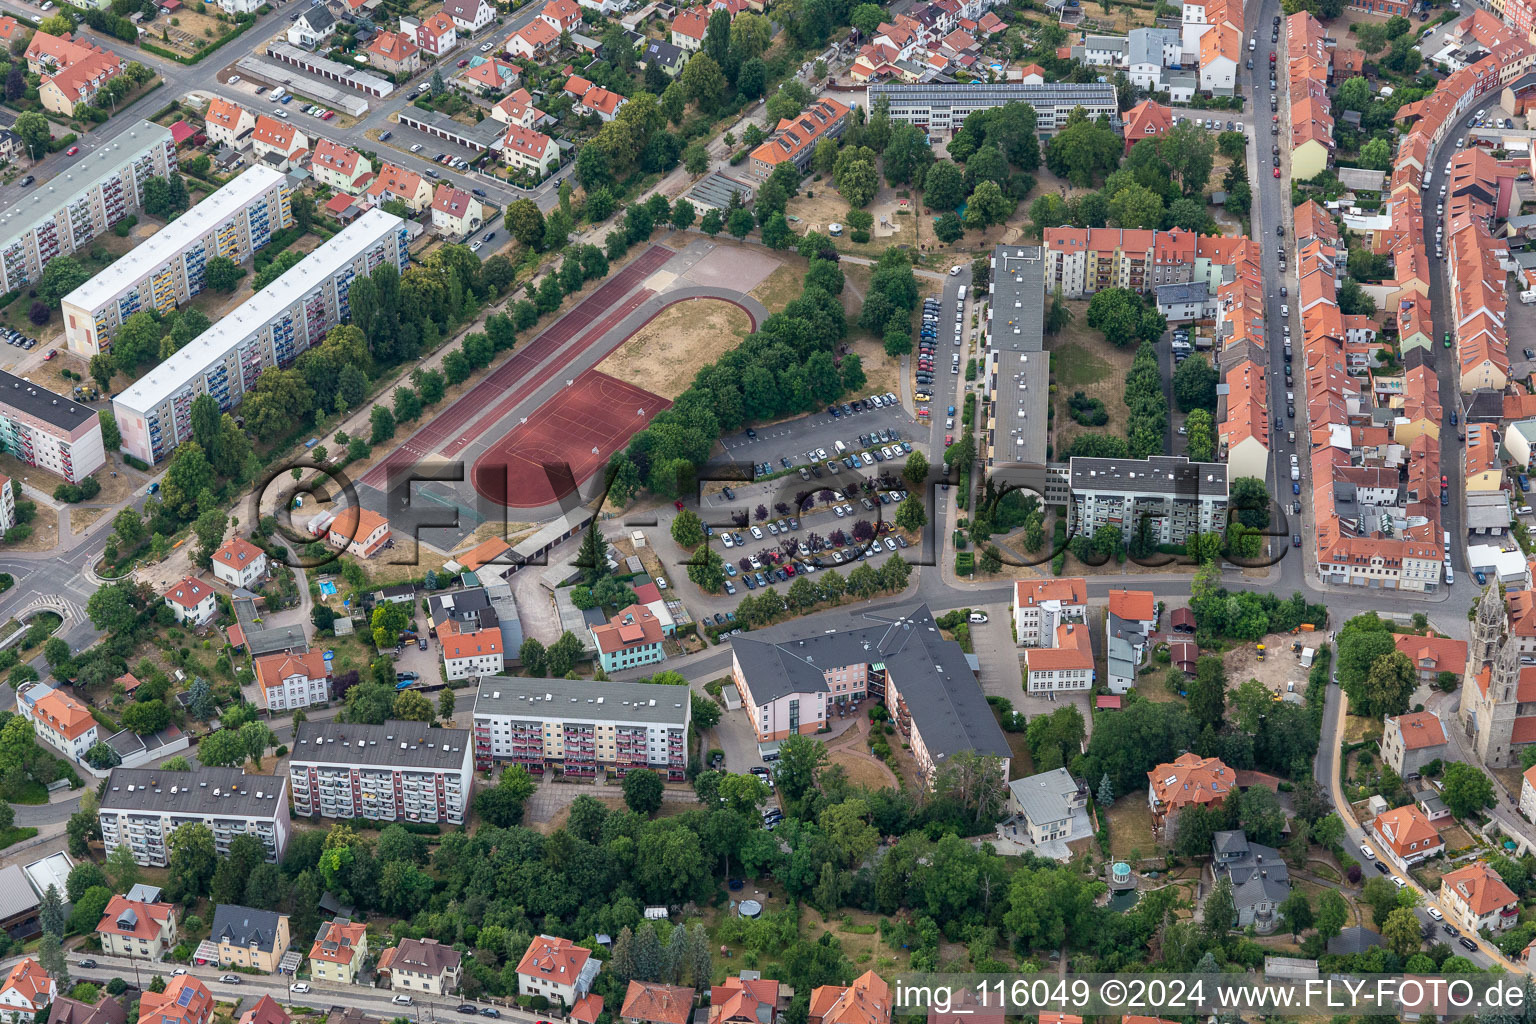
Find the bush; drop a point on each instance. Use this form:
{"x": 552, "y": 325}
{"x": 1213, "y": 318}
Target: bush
{"x": 965, "y": 563}
{"x": 1090, "y": 412}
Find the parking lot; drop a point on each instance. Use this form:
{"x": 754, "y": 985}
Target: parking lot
{"x": 793, "y": 438}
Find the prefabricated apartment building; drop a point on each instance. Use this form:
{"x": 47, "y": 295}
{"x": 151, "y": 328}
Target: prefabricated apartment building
{"x": 167, "y": 269}
{"x": 269, "y": 329}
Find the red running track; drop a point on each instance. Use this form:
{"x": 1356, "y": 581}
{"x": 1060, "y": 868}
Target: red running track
{"x": 573, "y": 435}
{"x": 633, "y": 302}
{"x": 450, "y": 423}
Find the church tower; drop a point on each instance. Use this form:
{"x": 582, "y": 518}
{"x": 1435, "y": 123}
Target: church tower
{"x": 1488, "y": 714}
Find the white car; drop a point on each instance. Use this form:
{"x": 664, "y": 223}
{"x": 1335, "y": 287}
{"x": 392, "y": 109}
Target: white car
{"x": 661, "y": 583}
{"x": 401, "y": 1000}
{"x": 757, "y": 534}
{"x": 1399, "y": 882}
{"x": 1370, "y": 854}
{"x": 890, "y": 545}
{"x": 821, "y": 453}
{"x": 300, "y": 987}
{"x": 416, "y": 148}
{"x": 839, "y": 510}
{"x": 1434, "y": 912}
{"x": 232, "y": 80}
{"x": 727, "y": 540}
{"x": 486, "y": 47}
{"x": 954, "y": 271}
{"x": 475, "y": 245}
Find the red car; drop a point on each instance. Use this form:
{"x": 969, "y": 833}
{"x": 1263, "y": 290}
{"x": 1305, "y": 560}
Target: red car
{"x": 51, "y": 353}
{"x": 949, "y": 439}
{"x": 72, "y": 150}
{"x": 1271, "y": 58}
{"x": 464, "y": 63}
{"x": 1277, "y": 172}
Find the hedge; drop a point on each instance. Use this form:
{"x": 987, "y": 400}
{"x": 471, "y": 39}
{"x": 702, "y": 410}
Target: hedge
{"x": 240, "y": 27}
{"x": 965, "y": 563}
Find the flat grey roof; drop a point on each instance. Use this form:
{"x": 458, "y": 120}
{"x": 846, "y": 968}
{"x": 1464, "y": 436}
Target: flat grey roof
{"x": 584, "y": 700}
{"x": 1085, "y": 94}
{"x": 82, "y": 176}
{"x": 221, "y": 792}
{"x": 396, "y": 743}
{"x": 16, "y": 896}
{"x": 1016, "y": 339}
{"x": 715, "y": 189}
{"x": 254, "y": 313}
{"x": 1189, "y": 291}
{"x": 931, "y": 672}
{"x": 51, "y": 408}
{"x": 1161, "y": 474}
{"x": 487, "y": 133}
{"x": 165, "y": 244}
{"x": 344, "y": 73}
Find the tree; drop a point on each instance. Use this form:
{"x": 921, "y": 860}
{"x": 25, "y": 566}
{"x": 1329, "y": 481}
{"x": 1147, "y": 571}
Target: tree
{"x": 1332, "y": 914}
{"x": 987, "y": 205}
{"x": 193, "y": 861}
{"x": 687, "y": 529}
{"x": 857, "y": 182}
{"x": 943, "y": 186}
{"x": 911, "y": 515}
{"x": 50, "y": 957}
{"x": 1200, "y": 435}
{"x": 702, "y": 80}
{"x": 123, "y": 868}
{"x": 800, "y": 761}
{"x": 642, "y": 791}
{"x": 915, "y": 471}
{"x": 525, "y": 222}
{"x": 1220, "y": 912}
{"x": 1208, "y": 693}
{"x": 1402, "y": 933}
{"x": 62, "y": 275}
{"x": 51, "y": 911}
{"x": 563, "y": 653}
{"x": 222, "y": 274}
{"x": 1297, "y": 911}
{"x": 1116, "y": 312}
{"x": 1194, "y": 384}
{"x": 776, "y": 233}
{"x": 1376, "y": 154}
{"x": 412, "y": 706}
{"x": 1466, "y": 789}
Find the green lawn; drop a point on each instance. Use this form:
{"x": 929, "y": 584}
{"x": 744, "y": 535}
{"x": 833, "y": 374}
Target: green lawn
{"x": 1076, "y": 367}
{"x": 13, "y": 835}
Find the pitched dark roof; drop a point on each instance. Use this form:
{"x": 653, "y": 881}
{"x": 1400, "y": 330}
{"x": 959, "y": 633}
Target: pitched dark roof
{"x": 245, "y": 926}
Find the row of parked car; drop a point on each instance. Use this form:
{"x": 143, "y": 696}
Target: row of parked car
{"x": 15, "y": 337}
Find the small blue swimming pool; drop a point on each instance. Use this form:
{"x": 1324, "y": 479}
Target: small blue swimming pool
{"x": 328, "y": 589}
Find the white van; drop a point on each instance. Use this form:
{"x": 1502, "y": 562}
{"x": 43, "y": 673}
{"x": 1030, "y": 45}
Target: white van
{"x": 962, "y": 293}
{"x": 277, "y": 94}
{"x": 978, "y": 616}
{"x": 841, "y": 447}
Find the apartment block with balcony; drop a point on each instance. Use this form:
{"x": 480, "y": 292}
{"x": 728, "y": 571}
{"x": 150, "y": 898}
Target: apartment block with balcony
{"x": 1174, "y": 497}
{"x": 48, "y": 430}
{"x": 141, "y": 807}
{"x": 270, "y": 329}
{"x": 397, "y": 771}
{"x": 138, "y": 924}
{"x": 98, "y": 190}
{"x": 581, "y": 727}
{"x": 167, "y": 269}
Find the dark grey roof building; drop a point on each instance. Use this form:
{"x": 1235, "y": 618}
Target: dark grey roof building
{"x": 1259, "y": 876}
{"x": 141, "y": 806}
{"x": 1017, "y": 367}
{"x": 793, "y": 677}
{"x": 246, "y": 927}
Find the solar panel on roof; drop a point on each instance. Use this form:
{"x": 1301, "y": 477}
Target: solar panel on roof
{"x": 184, "y": 997}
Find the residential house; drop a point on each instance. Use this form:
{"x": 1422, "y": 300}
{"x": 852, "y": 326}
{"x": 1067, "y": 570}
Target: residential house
{"x": 530, "y": 151}
{"x": 866, "y": 1001}
{"x": 58, "y": 719}
{"x": 1130, "y": 623}
{"x": 668, "y": 56}
{"x": 630, "y": 639}
{"x": 72, "y": 1011}
{"x": 455, "y": 213}
{"x": 278, "y": 143}
{"x": 517, "y": 108}
{"x": 435, "y": 34}
{"x": 488, "y": 77}
{"x": 358, "y": 531}
{"x": 1405, "y": 836}
{"x": 469, "y": 16}
{"x": 239, "y": 563}
{"x": 71, "y": 70}
{"x": 1475, "y": 897}
{"x": 1409, "y": 742}
{"x": 1048, "y": 805}
{"x": 245, "y": 937}
{"x": 186, "y": 1000}
{"x": 1190, "y": 779}
{"x": 1065, "y": 664}
{"x": 408, "y": 187}
{"x": 339, "y": 952}
{"x": 27, "y": 989}
{"x": 1528, "y": 794}
{"x": 290, "y": 681}
{"x": 1259, "y": 877}
{"x": 192, "y": 600}
{"x": 1432, "y": 655}
{"x": 557, "y": 969}
{"x": 593, "y": 99}
{"x": 1039, "y": 606}
{"x": 534, "y": 40}
{"x": 471, "y": 654}
{"x": 313, "y": 27}
{"x": 265, "y": 1011}
{"x": 423, "y": 966}
{"x": 1146, "y": 120}
{"x": 138, "y": 924}
{"x": 739, "y": 1000}
{"x": 688, "y": 29}
{"x": 1221, "y": 49}
{"x": 650, "y": 1002}
{"x": 228, "y": 123}
{"x": 562, "y": 15}
{"x": 394, "y": 52}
